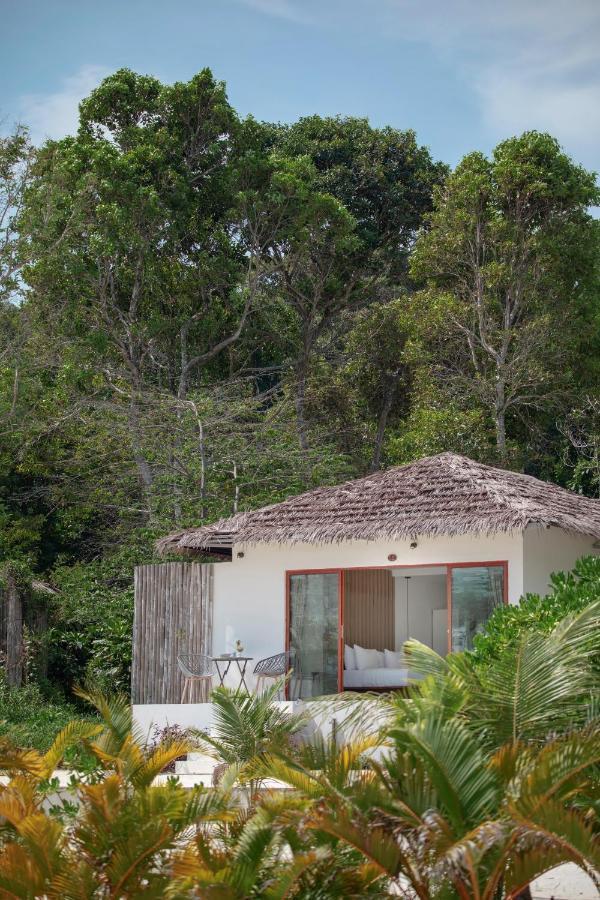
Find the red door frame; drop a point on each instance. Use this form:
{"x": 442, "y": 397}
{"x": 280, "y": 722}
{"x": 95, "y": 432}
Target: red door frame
{"x": 342, "y": 595}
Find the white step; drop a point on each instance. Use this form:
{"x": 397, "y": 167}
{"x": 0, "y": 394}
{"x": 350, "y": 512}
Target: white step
{"x": 198, "y": 763}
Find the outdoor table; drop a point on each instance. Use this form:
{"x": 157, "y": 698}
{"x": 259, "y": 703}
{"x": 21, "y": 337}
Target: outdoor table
{"x": 240, "y": 661}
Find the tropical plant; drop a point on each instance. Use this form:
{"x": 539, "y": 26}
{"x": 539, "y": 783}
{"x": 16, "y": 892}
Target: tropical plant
{"x": 428, "y": 805}
{"x": 542, "y": 684}
{"x": 441, "y": 817}
{"x": 245, "y": 728}
{"x": 114, "y": 832}
{"x": 570, "y": 593}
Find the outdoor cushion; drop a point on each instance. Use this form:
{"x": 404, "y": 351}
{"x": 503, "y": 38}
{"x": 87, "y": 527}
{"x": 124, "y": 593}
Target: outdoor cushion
{"x": 349, "y": 657}
{"x": 368, "y": 659}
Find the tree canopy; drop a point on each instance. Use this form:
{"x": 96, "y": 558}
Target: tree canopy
{"x": 202, "y": 313}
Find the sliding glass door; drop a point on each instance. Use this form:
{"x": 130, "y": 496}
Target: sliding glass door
{"x": 475, "y": 592}
{"x": 314, "y": 633}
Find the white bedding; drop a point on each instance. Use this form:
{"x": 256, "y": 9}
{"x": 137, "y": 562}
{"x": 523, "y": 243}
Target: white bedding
{"x": 379, "y": 678}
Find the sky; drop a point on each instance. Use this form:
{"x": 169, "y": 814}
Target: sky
{"x": 464, "y": 74}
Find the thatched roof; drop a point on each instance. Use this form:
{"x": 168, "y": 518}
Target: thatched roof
{"x": 446, "y": 494}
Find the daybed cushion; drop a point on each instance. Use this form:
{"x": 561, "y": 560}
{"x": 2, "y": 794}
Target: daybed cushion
{"x": 349, "y": 657}
{"x": 376, "y": 678}
{"x": 394, "y": 659}
{"x": 367, "y": 658}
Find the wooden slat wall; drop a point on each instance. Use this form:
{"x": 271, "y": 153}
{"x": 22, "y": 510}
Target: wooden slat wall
{"x": 369, "y": 608}
{"x": 173, "y": 614}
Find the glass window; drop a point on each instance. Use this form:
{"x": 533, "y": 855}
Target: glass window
{"x": 476, "y": 592}
{"x": 314, "y": 628}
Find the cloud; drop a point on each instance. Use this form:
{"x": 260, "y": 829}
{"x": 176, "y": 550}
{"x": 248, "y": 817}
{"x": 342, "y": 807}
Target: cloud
{"x": 531, "y": 65}
{"x": 528, "y": 63}
{"x": 55, "y": 114}
{"x": 280, "y": 9}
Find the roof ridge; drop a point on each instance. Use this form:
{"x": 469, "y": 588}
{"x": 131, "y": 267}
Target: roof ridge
{"x": 496, "y": 492}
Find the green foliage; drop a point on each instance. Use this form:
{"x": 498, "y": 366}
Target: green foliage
{"x": 441, "y": 812}
{"x": 511, "y": 255}
{"x": 247, "y": 726}
{"x": 437, "y": 428}
{"x": 201, "y": 314}
{"x": 28, "y": 718}
{"x": 89, "y": 639}
{"x": 571, "y": 593}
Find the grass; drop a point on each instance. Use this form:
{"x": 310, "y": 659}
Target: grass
{"x": 29, "y": 719}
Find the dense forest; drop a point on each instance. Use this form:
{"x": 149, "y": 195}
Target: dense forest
{"x": 202, "y": 313}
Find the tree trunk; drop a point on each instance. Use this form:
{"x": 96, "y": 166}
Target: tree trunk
{"x": 14, "y": 632}
{"x": 500, "y": 419}
{"x": 146, "y": 476}
{"x": 388, "y": 400}
{"x": 301, "y": 423}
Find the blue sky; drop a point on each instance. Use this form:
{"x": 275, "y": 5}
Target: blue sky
{"x": 463, "y": 73}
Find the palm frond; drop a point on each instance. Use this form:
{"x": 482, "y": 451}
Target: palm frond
{"x": 466, "y": 790}
{"x": 540, "y": 688}
{"x": 247, "y": 725}
{"x": 564, "y": 831}
{"x": 71, "y": 734}
{"x": 557, "y": 771}
{"x": 285, "y": 881}
{"x": 13, "y": 760}
{"x": 159, "y": 759}
{"x": 117, "y": 718}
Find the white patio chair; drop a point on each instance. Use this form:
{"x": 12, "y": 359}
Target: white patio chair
{"x": 195, "y": 667}
{"x": 271, "y": 668}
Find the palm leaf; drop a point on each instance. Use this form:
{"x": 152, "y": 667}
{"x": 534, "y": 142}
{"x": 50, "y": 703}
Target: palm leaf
{"x": 15, "y": 760}
{"x": 466, "y": 790}
{"x": 557, "y": 771}
{"x": 564, "y": 832}
{"x": 288, "y": 877}
{"x": 159, "y": 759}
{"x": 71, "y": 734}
{"x": 380, "y": 849}
{"x": 117, "y": 718}
{"x": 542, "y": 686}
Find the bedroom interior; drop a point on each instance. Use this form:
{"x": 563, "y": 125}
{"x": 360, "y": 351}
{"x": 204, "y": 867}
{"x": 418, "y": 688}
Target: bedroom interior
{"x": 346, "y": 626}
{"x": 383, "y": 608}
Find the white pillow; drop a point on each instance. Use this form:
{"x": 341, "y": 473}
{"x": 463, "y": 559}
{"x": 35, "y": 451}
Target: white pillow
{"x": 349, "y": 657}
{"x": 368, "y": 659}
{"x": 394, "y": 659}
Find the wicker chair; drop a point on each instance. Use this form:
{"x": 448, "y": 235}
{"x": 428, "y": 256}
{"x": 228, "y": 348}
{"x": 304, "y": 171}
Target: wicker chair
{"x": 273, "y": 668}
{"x": 195, "y": 667}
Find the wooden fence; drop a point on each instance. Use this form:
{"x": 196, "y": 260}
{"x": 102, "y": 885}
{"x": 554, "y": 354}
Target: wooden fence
{"x": 23, "y": 606}
{"x": 173, "y": 614}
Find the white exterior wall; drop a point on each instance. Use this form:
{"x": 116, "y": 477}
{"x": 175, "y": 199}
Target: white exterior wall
{"x": 249, "y": 592}
{"x": 149, "y": 716}
{"x": 547, "y": 550}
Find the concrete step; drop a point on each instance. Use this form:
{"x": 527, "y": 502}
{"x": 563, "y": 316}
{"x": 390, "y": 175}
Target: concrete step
{"x": 196, "y": 763}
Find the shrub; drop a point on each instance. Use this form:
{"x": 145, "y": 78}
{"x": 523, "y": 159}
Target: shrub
{"x": 29, "y": 719}
{"x": 89, "y": 640}
{"x": 570, "y": 593}
{"x": 168, "y": 735}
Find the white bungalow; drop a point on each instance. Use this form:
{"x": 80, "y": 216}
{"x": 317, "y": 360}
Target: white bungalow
{"x": 340, "y": 575}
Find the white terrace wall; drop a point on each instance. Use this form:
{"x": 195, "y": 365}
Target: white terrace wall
{"x": 547, "y": 550}
{"x": 249, "y": 592}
